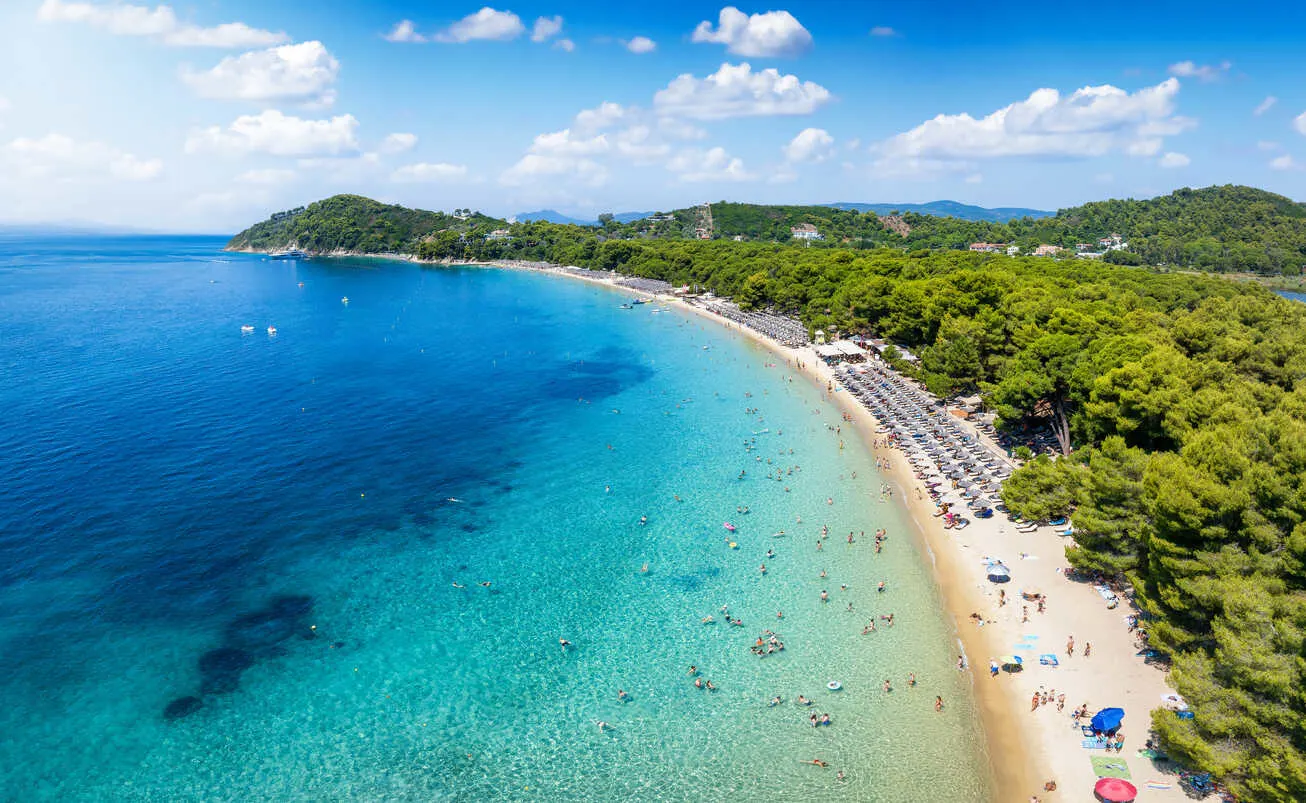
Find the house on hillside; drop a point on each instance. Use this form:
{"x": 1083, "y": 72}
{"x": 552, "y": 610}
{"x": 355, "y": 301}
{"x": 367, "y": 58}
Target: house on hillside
{"x": 1112, "y": 243}
{"x": 1047, "y": 250}
{"x": 703, "y": 234}
{"x": 988, "y": 248}
{"x": 499, "y": 235}
{"x": 805, "y": 231}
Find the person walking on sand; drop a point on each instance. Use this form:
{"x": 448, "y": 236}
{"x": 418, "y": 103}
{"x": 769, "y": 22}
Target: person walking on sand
{"x": 938, "y": 704}
{"x": 1088, "y": 648}
{"x": 1070, "y": 646}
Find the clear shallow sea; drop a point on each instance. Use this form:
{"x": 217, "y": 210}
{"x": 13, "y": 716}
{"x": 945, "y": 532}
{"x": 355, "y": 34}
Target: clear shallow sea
{"x": 172, "y": 487}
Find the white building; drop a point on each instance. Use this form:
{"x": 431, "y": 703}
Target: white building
{"x": 805, "y": 231}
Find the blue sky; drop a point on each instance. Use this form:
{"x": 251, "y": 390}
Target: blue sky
{"x": 205, "y": 116}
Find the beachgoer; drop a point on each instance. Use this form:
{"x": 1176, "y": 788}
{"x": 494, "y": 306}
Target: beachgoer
{"x": 776, "y": 701}
{"x": 803, "y": 700}
{"x": 693, "y": 670}
{"x": 1070, "y": 646}
{"x": 993, "y": 669}
{"x": 818, "y": 762}
{"x": 839, "y": 776}
{"x": 880, "y": 588}
{"x": 456, "y": 584}
{"x": 812, "y": 719}
{"x": 887, "y": 687}
{"x": 825, "y": 596}
{"x": 562, "y": 642}
{"x": 1033, "y": 702}
{"x": 698, "y": 683}
{"x": 622, "y": 696}
{"x": 938, "y": 704}
{"x": 603, "y": 726}
{"x": 710, "y": 687}
{"x": 1088, "y": 648}
{"x": 911, "y": 680}
{"x": 825, "y": 719}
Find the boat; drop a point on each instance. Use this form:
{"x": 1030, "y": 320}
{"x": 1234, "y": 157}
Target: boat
{"x": 344, "y": 299}
{"x": 272, "y": 330}
{"x": 625, "y": 306}
{"x": 246, "y": 329}
{"x": 289, "y": 253}
{"x": 640, "y": 301}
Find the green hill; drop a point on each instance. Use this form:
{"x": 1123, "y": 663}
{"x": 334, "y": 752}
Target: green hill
{"x": 351, "y": 223}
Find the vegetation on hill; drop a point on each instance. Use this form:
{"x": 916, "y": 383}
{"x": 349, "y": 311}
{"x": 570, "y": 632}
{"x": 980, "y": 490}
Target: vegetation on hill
{"x": 350, "y": 223}
{"x": 1183, "y": 395}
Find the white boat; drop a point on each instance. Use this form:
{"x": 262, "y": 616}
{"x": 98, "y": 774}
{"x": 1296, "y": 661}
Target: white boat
{"x": 272, "y": 330}
{"x": 344, "y": 300}
{"x": 289, "y": 253}
{"x": 246, "y": 329}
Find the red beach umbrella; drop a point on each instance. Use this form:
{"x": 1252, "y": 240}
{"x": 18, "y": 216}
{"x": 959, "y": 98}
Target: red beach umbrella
{"x": 1115, "y": 790}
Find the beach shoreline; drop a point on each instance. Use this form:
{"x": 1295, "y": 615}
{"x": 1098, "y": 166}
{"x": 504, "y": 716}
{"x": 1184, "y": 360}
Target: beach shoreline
{"x": 1025, "y": 746}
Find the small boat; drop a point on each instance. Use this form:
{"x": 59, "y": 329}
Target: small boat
{"x": 246, "y": 329}
{"x": 344, "y": 300}
{"x": 625, "y": 306}
{"x": 272, "y": 330}
{"x": 729, "y": 526}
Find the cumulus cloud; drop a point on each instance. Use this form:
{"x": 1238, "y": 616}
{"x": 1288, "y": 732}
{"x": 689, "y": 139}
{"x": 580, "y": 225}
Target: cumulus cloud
{"x": 1202, "y": 72}
{"x": 59, "y": 157}
{"x": 1299, "y": 123}
{"x": 486, "y": 24}
{"x": 534, "y": 166}
{"x": 428, "y": 173}
{"x": 811, "y": 145}
{"x": 695, "y": 166}
{"x": 266, "y": 176}
{"x": 1089, "y": 122}
{"x": 565, "y": 45}
{"x": 302, "y": 73}
{"x": 398, "y": 143}
{"x": 737, "y": 91}
{"x": 639, "y": 144}
{"x": 775, "y": 33}
{"x": 546, "y": 28}
{"x": 641, "y": 44}
{"x": 883, "y": 30}
{"x": 278, "y": 134}
{"x": 1264, "y": 106}
{"x": 404, "y": 31}
{"x": 679, "y": 129}
{"x": 1284, "y": 162}
{"x": 1173, "y": 159}
{"x": 159, "y": 23}
{"x": 565, "y": 143}
{"x": 605, "y": 115}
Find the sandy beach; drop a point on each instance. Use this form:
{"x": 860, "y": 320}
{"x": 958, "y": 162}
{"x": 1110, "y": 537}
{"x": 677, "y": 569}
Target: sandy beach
{"x": 1027, "y": 746}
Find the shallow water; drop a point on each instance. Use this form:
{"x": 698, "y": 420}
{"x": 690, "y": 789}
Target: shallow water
{"x": 170, "y": 481}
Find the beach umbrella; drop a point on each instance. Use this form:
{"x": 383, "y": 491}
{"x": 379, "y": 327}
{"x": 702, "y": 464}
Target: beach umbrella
{"x": 1012, "y": 663}
{"x": 1115, "y": 790}
{"x": 1001, "y": 574}
{"x": 1107, "y": 720}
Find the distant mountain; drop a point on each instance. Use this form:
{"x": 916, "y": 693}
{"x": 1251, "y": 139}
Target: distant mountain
{"x": 74, "y": 229}
{"x": 554, "y": 216}
{"x": 950, "y": 209}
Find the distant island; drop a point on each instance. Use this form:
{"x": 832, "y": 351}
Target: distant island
{"x": 949, "y": 209}
{"x": 1224, "y": 229}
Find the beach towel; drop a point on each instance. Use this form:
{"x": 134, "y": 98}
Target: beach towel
{"x": 1158, "y": 785}
{"x": 1107, "y": 593}
{"x": 1110, "y": 767}
{"x": 1094, "y": 744}
{"x": 1048, "y": 660}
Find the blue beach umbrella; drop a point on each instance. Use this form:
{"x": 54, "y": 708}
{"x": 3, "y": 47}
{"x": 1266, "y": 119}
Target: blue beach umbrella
{"x": 1107, "y": 720}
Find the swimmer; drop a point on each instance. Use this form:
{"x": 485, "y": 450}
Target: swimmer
{"x": 762, "y": 568}
{"x": 938, "y": 703}
{"x": 710, "y": 687}
{"x": 643, "y": 519}
{"x": 823, "y": 573}
{"x": 887, "y": 686}
{"x": 485, "y": 584}
{"x": 693, "y": 670}
{"x": 776, "y": 701}
{"x": 839, "y": 776}
{"x": 817, "y": 762}
{"x": 779, "y": 614}
{"x": 457, "y": 584}
{"x": 825, "y": 719}
{"x": 562, "y": 642}
{"x": 803, "y": 700}
{"x": 911, "y": 679}
{"x": 707, "y": 620}
{"x": 622, "y": 696}
{"x": 812, "y": 720}
{"x": 698, "y": 683}
{"x": 825, "y": 596}
{"x": 603, "y": 726}
{"x": 880, "y": 587}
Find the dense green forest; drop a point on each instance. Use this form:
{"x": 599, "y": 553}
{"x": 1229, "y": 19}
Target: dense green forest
{"x": 1225, "y": 229}
{"x": 1182, "y": 395}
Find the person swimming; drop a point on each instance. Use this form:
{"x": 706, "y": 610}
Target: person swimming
{"x": 562, "y": 642}
{"x": 803, "y": 700}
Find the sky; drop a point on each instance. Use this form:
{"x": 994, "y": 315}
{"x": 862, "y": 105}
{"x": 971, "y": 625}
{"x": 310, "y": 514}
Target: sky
{"x": 207, "y": 116}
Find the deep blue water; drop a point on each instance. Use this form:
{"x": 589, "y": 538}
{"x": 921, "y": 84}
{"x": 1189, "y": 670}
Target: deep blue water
{"x": 274, "y": 526}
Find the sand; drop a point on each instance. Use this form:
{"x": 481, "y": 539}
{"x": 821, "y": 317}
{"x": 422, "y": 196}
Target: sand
{"x": 1026, "y": 747}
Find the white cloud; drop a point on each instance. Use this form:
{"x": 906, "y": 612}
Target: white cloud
{"x": 546, "y": 28}
{"x": 1299, "y": 123}
{"x": 398, "y": 143}
{"x": 1104, "y": 178}
{"x": 975, "y": 178}
{"x": 811, "y": 145}
{"x": 1284, "y": 162}
{"x": 1267, "y": 145}
{"x": 1089, "y": 122}
{"x": 695, "y": 166}
{"x": 563, "y": 143}
{"x": 737, "y": 91}
{"x": 159, "y": 22}
{"x": 883, "y": 30}
{"x": 1202, "y": 72}
{"x": 605, "y": 115}
{"x": 775, "y": 33}
{"x": 641, "y": 44}
{"x": 1264, "y": 106}
{"x": 302, "y": 73}
{"x": 679, "y": 129}
{"x": 534, "y": 166}
{"x": 1173, "y": 159}
{"x": 266, "y": 176}
{"x": 638, "y": 144}
{"x": 565, "y": 45}
{"x": 404, "y": 31}
{"x": 486, "y": 24}
{"x": 280, "y": 135}
{"x": 427, "y": 172}
{"x": 59, "y": 157}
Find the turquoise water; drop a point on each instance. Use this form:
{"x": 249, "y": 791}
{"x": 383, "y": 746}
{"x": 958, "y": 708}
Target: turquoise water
{"x": 264, "y": 523}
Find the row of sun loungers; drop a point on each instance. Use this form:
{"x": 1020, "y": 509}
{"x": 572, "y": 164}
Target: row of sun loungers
{"x": 937, "y": 447}
{"x": 781, "y": 328}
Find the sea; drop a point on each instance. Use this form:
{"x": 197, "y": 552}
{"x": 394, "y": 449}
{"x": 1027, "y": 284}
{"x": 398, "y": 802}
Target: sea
{"x": 340, "y": 561}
